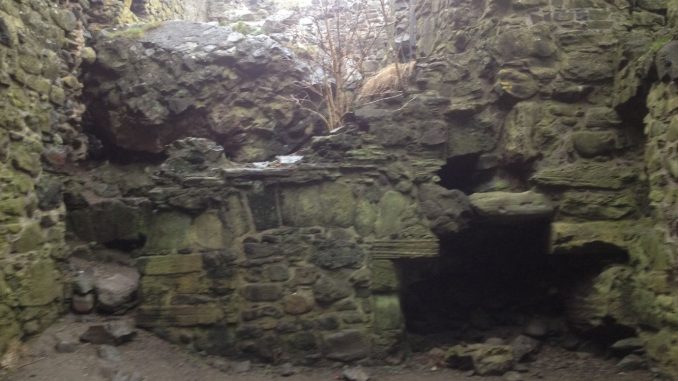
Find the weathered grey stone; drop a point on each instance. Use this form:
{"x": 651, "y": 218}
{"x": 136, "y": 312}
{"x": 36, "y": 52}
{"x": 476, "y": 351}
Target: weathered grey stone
{"x": 255, "y": 126}
{"x": 587, "y": 175}
{"x": 327, "y": 290}
{"x": 297, "y": 304}
{"x": 626, "y": 346}
{"x": 632, "y": 362}
{"x": 524, "y": 346}
{"x": 667, "y": 61}
{"x": 594, "y": 143}
{"x": 109, "y": 353}
{"x": 83, "y": 304}
{"x": 484, "y": 359}
{"x": 507, "y": 206}
{"x": 170, "y": 264}
{"x": 585, "y": 67}
{"x": 598, "y": 205}
{"x": 108, "y": 221}
{"x": 520, "y": 126}
{"x": 346, "y": 345}
{"x": 591, "y": 237}
{"x": 335, "y": 255}
{"x": 83, "y": 282}
{"x": 447, "y": 210}
{"x": 179, "y": 315}
{"x": 517, "y": 84}
{"x": 113, "y": 333}
{"x": 387, "y": 313}
{"x": 49, "y": 193}
{"x": 263, "y": 292}
{"x": 65, "y": 343}
{"x": 116, "y": 291}
{"x": 355, "y": 374}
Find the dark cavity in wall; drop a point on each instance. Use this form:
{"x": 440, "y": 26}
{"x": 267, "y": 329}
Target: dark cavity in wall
{"x": 138, "y": 7}
{"x": 492, "y": 281}
{"x": 460, "y": 172}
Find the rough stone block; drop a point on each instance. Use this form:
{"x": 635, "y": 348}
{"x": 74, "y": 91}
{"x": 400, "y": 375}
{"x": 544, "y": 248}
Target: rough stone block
{"x": 598, "y": 237}
{"x": 393, "y": 209}
{"x": 485, "y": 359}
{"x": 594, "y": 143}
{"x": 597, "y": 205}
{"x": 170, "y": 264}
{"x": 387, "y": 313}
{"x": 609, "y": 175}
{"x": 179, "y": 315}
{"x": 167, "y": 232}
{"x": 327, "y": 290}
{"x": 39, "y": 284}
{"x": 262, "y": 292}
{"x": 108, "y": 221}
{"x": 264, "y": 207}
{"x": 335, "y": 255}
{"x": 347, "y": 345}
{"x": 384, "y": 276}
{"x": 329, "y": 204}
{"x": 207, "y": 231}
{"x": 508, "y": 206}
{"x": 517, "y": 84}
{"x": 298, "y": 303}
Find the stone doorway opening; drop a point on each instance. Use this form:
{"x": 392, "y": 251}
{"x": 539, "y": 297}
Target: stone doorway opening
{"x": 501, "y": 280}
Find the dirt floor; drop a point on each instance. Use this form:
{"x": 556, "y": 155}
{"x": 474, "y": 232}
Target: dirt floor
{"x": 151, "y": 359}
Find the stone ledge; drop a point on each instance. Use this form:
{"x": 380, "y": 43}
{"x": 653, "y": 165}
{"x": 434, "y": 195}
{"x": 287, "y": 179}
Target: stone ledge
{"x": 400, "y": 249}
{"x": 507, "y": 206}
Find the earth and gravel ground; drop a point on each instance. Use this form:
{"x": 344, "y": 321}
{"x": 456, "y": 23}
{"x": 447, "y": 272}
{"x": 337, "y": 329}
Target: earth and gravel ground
{"x": 152, "y": 359}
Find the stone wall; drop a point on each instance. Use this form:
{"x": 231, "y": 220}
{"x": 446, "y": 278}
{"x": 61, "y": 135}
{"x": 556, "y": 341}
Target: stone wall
{"x": 203, "y": 81}
{"x": 554, "y": 95}
{"x": 290, "y": 262}
{"x": 535, "y": 110}
{"x": 41, "y": 49}
{"x": 109, "y": 13}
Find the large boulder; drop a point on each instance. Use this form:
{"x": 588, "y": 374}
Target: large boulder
{"x": 157, "y": 83}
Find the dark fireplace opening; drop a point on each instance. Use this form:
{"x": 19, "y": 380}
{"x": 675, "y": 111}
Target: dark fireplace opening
{"x": 496, "y": 281}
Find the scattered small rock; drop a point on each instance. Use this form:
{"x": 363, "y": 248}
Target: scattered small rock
{"x": 287, "y": 369}
{"x": 436, "y": 357}
{"x": 355, "y": 374}
{"x": 524, "y": 346}
{"x": 627, "y": 346}
{"x": 111, "y": 372}
{"x": 82, "y": 304}
{"x": 242, "y": 366}
{"x": 65, "y": 343}
{"x": 513, "y": 376}
{"x": 220, "y": 364}
{"x": 113, "y": 333}
{"x": 483, "y": 359}
{"x": 109, "y": 353}
{"x": 122, "y": 330}
{"x": 632, "y": 362}
{"x": 83, "y": 282}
